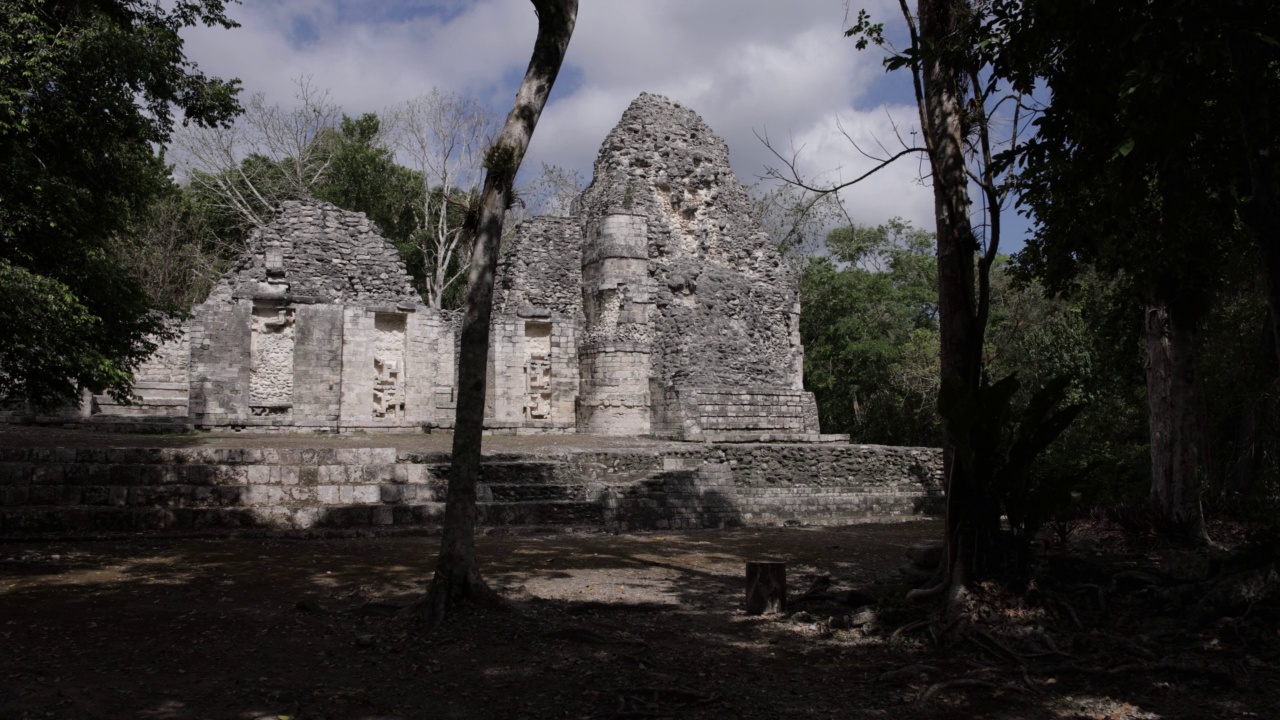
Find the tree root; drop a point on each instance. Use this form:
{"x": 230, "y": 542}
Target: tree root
{"x": 907, "y": 672}
{"x": 1062, "y": 602}
{"x": 1098, "y": 590}
{"x": 997, "y": 648}
{"x": 644, "y": 702}
{"x": 970, "y": 681}
{"x": 1053, "y": 648}
{"x": 909, "y": 627}
{"x": 1199, "y": 671}
{"x": 449, "y": 593}
{"x": 945, "y": 685}
{"x": 921, "y": 594}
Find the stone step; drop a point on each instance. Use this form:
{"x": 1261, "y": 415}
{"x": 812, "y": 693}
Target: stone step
{"x": 526, "y": 492}
{"x": 508, "y": 472}
{"x": 57, "y": 519}
{"x": 551, "y": 512}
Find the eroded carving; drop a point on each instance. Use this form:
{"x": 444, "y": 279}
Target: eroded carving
{"x": 388, "y": 366}
{"x": 271, "y": 349}
{"x": 537, "y": 370}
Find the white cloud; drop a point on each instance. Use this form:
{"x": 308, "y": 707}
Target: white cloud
{"x": 746, "y": 66}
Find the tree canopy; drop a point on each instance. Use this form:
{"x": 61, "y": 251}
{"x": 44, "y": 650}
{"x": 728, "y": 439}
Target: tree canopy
{"x": 88, "y": 90}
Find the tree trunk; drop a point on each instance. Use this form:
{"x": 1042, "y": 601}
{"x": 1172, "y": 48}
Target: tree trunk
{"x": 972, "y": 522}
{"x": 457, "y": 576}
{"x": 1175, "y": 491}
{"x": 766, "y": 587}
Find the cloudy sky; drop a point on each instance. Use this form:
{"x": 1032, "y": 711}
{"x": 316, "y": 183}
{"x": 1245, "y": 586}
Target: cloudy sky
{"x": 781, "y": 67}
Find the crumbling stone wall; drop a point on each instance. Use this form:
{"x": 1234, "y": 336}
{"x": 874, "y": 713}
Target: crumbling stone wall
{"x": 299, "y": 333}
{"x": 661, "y": 307}
{"x": 537, "y": 317}
{"x": 160, "y": 384}
{"x": 726, "y": 302}
{"x": 676, "y": 262}
{"x": 314, "y": 252}
{"x": 271, "y": 360}
{"x": 540, "y": 269}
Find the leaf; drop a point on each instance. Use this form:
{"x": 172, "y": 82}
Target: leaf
{"x": 1125, "y": 148}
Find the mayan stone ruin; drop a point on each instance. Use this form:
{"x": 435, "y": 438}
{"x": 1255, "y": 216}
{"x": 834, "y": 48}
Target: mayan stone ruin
{"x": 658, "y": 313}
{"x": 660, "y": 308}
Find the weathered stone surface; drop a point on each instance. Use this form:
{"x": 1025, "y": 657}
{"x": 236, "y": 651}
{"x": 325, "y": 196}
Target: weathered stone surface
{"x": 318, "y": 253}
{"x": 676, "y": 486}
{"x": 660, "y": 307}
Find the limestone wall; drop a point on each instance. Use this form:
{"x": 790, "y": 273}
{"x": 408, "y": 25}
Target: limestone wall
{"x": 221, "y": 358}
{"x": 677, "y": 486}
{"x": 726, "y": 303}
{"x": 540, "y": 269}
{"x": 533, "y": 372}
{"x": 660, "y": 308}
{"x": 315, "y": 252}
{"x": 161, "y": 384}
{"x": 675, "y": 258}
{"x": 317, "y": 365}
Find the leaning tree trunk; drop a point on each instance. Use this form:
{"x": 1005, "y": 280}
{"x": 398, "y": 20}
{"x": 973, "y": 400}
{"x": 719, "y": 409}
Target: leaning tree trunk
{"x": 457, "y": 577}
{"x": 1175, "y": 488}
{"x": 972, "y": 522}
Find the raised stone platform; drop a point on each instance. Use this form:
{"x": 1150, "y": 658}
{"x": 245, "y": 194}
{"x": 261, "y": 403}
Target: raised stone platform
{"x": 659, "y": 486}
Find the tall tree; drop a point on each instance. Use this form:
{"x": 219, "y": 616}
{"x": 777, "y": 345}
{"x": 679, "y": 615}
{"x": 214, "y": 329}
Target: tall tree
{"x": 973, "y": 516}
{"x": 1141, "y": 170}
{"x": 457, "y": 575}
{"x": 363, "y": 176}
{"x": 987, "y": 455}
{"x": 274, "y": 153}
{"x": 869, "y": 324}
{"x": 88, "y": 88}
{"x": 444, "y": 135}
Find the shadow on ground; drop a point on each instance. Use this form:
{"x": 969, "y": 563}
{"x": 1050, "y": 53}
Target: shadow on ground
{"x": 644, "y": 625}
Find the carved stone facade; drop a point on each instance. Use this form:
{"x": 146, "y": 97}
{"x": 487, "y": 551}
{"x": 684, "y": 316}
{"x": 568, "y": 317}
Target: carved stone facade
{"x": 316, "y": 327}
{"x": 671, "y": 312}
{"x": 659, "y": 308}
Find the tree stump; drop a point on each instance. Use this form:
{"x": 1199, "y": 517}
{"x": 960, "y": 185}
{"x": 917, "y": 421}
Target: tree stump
{"x": 766, "y": 587}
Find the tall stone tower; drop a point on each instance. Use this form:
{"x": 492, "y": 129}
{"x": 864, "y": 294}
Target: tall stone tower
{"x": 691, "y": 315}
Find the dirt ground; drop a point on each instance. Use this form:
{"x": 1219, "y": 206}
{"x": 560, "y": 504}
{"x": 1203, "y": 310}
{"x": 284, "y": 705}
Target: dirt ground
{"x": 603, "y": 626}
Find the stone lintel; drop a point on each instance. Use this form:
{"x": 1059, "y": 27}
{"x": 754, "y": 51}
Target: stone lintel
{"x": 533, "y": 312}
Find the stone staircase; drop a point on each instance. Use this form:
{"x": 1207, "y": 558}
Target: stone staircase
{"x": 195, "y": 489}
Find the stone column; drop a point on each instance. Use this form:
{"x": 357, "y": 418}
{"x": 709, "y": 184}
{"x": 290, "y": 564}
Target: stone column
{"x": 615, "y": 352}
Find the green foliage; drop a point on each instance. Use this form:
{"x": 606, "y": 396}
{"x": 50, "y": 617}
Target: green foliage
{"x": 500, "y": 160}
{"x": 175, "y": 251}
{"x": 1001, "y": 452}
{"x": 363, "y": 176}
{"x": 50, "y": 335}
{"x": 1132, "y": 170}
{"x": 1139, "y": 182}
{"x": 869, "y": 325}
{"x": 1240, "y": 392}
{"x": 87, "y": 89}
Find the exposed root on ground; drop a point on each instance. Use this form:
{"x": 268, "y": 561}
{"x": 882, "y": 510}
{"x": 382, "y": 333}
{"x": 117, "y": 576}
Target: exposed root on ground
{"x": 645, "y": 702}
{"x": 448, "y": 594}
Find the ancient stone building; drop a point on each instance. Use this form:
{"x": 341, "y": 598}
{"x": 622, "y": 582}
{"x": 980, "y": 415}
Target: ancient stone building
{"x": 316, "y": 327}
{"x": 669, "y": 311}
{"x": 659, "y": 308}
